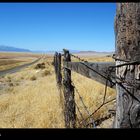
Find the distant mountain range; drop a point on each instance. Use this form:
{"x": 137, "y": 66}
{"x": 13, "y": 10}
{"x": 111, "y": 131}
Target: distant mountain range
{"x": 4, "y": 48}
{"x": 12, "y": 49}
{"x": 93, "y": 52}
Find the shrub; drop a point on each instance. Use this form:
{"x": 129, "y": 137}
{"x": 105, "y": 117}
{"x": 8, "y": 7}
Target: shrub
{"x": 108, "y": 55}
{"x": 33, "y": 78}
{"x": 11, "y": 84}
{"x": 17, "y": 84}
{"x": 9, "y": 79}
{"x": 46, "y": 72}
{"x": 40, "y": 66}
{"x": 22, "y": 78}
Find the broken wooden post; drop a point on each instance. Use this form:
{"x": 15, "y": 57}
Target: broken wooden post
{"x": 69, "y": 111}
{"x": 127, "y": 33}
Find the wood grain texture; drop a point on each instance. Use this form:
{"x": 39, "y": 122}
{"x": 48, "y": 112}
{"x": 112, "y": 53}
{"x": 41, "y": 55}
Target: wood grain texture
{"x": 68, "y": 90}
{"x": 101, "y": 67}
{"x": 127, "y": 31}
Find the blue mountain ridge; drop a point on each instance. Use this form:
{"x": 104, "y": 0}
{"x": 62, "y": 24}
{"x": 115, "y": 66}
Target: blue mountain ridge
{"x": 12, "y": 49}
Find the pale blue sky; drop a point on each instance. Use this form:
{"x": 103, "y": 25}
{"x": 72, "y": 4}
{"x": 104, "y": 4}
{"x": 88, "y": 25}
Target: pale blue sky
{"x": 54, "y": 26}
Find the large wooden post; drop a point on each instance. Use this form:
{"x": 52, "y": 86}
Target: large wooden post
{"x": 69, "y": 111}
{"x": 127, "y": 33}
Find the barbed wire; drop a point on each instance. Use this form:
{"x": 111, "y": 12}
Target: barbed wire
{"x": 85, "y": 107}
{"x": 80, "y": 97}
{"x": 104, "y": 97}
{"x": 109, "y": 77}
{"x": 100, "y": 120}
{"x": 113, "y": 99}
{"x": 80, "y": 115}
{"x": 88, "y": 65}
{"x": 89, "y": 114}
{"x": 100, "y": 107}
{"x": 110, "y": 68}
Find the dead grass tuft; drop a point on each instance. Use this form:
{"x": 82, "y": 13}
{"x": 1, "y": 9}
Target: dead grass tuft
{"x": 33, "y": 78}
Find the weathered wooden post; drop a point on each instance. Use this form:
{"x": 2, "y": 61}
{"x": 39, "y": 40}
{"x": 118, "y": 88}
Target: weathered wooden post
{"x": 127, "y": 33}
{"x": 59, "y": 70}
{"x": 69, "y": 111}
{"x": 59, "y": 75}
{"x": 57, "y": 65}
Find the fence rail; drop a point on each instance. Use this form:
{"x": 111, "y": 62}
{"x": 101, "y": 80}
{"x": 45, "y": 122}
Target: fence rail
{"x": 126, "y": 70}
{"x": 96, "y": 71}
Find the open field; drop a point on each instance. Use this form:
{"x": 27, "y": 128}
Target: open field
{"x": 30, "y": 99}
{"x": 16, "y": 55}
{"x": 95, "y": 59}
{"x": 10, "y": 60}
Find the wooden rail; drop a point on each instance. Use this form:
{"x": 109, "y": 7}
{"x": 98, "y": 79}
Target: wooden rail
{"x": 83, "y": 69}
{"x": 98, "y": 71}
{"x": 127, "y": 44}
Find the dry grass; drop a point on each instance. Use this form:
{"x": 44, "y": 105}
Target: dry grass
{"x": 36, "y": 104}
{"x": 95, "y": 59}
{"x": 92, "y": 94}
{"x": 7, "y": 64}
{"x": 8, "y": 55}
{"x": 11, "y": 59}
{"x": 31, "y": 103}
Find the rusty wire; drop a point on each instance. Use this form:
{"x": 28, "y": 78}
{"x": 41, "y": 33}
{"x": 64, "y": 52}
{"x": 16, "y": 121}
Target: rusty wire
{"x": 108, "y": 78}
{"x": 85, "y": 107}
{"x": 104, "y": 97}
{"x": 85, "y": 63}
{"x": 80, "y": 115}
{"x": 100, "y": 120}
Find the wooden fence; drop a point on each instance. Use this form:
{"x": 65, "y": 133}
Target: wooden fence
{"x": 95, "y": 71}
{"x": 124, "y": 74}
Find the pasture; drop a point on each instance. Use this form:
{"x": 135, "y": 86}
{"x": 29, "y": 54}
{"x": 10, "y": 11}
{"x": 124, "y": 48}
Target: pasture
{"x": 12, "y": 59}
{"x": 30, "y": 98}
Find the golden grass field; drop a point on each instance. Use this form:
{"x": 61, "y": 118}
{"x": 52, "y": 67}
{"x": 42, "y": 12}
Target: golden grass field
{"x": 30, "y": 98}
{"x": 10, "y": 60}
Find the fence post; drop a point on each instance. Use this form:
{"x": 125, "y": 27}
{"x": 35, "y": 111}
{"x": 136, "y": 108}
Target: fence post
{"x": 127, "y": 30}
{"x": 69, "y": 103}
{"x": 57, "y": 67}
{"x": 59, "y": 71}
{"x": 55, "y": 63}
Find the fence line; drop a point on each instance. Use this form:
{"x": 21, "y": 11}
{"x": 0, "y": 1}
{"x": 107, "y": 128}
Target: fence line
{"x": 69, "y": 88}
{"x": 126, "y": 79}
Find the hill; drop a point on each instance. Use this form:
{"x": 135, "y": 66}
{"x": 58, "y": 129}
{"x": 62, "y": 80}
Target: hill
{"x": 93, "y": 53}
{"x": 12, "y": 49}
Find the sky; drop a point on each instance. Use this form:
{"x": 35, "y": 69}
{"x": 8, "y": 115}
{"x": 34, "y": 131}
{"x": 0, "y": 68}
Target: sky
{"x": 54, "y": 26}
